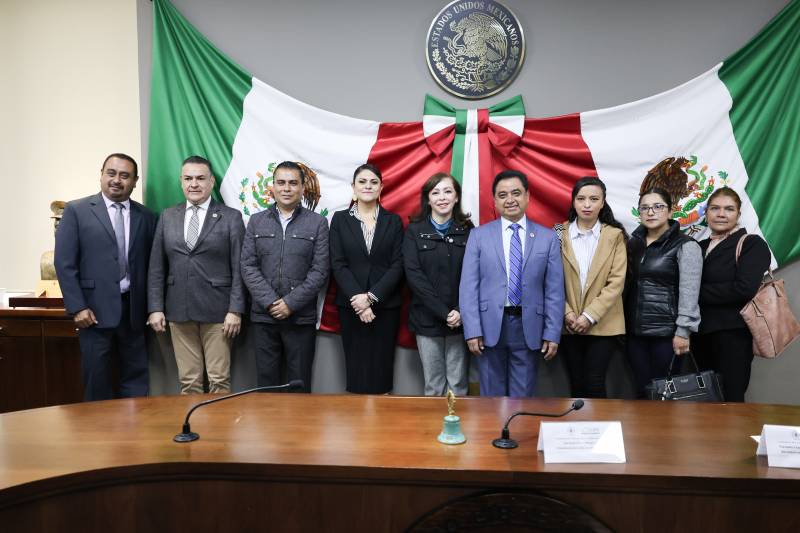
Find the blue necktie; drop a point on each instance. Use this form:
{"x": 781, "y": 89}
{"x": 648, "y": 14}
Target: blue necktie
{"x": 515, "y": 267}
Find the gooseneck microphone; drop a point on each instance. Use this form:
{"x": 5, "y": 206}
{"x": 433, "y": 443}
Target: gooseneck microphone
{"x": 187, "y": 435}
{"x": 506, "y": 442}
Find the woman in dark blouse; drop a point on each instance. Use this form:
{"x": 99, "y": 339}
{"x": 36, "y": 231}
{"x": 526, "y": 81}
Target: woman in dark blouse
{"x": 723, "y": 342}
{"x": 433, "y": 252}
{"x": 367, "y": 262}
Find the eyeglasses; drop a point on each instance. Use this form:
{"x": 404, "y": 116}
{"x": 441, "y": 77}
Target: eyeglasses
{"x": 657, "y": 208}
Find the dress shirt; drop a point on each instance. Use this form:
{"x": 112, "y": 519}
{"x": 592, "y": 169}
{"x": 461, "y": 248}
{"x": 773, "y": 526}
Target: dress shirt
{"x": 124, "y": 283}
{"x": 201, "y": 217}
{"x": 284, "y": 221}
{"x": 523, "y": 228}
{"x": 584, "y": 244}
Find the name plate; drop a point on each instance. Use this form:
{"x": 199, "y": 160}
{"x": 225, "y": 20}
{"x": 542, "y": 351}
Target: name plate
{"x": 582, "y": 442}
{"x": 781, "y": 445}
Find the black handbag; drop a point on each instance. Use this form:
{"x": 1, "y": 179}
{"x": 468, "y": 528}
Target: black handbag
{"x": 705, "y": 386}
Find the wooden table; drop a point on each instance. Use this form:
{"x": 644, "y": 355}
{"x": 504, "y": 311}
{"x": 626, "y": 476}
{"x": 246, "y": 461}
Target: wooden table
{"x": 40, "y": 360}
{"x": 289, "y": 462}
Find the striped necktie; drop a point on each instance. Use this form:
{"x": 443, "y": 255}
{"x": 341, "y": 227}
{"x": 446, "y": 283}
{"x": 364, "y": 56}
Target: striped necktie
{"x": 194, "y": 228}
{"x": 515, "y": 267}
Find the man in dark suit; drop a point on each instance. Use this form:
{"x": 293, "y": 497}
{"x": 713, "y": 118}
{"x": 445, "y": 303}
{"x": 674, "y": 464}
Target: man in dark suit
{"x": 101, "y": 256}
{"x": 194, "y": 280}
{"x": 511, "y": 293}
{"x": 285, "y": 266}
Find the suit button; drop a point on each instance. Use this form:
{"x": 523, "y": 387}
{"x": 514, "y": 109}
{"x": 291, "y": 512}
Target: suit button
{"x": 257, "y": 235}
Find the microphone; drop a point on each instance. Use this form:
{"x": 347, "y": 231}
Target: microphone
{"x": 506, "y": 442}
{"x": 187, "y": 435}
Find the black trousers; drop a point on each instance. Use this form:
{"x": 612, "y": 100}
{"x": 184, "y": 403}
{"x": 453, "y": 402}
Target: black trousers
{"x": 296, "y": 343}
{"x": 369, "y": 350}
{"x": 730, "y": 354}
{"x": 650, "y": 358}
{"x": 99, "y": 348}
{"x": 587, "y": 358}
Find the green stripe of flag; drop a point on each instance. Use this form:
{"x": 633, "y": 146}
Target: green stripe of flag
{"x": 764, "y": 81}
{"x": 513, "y": 107}
{"x": 457, "y": 163}
{"x": 196, "y": 100}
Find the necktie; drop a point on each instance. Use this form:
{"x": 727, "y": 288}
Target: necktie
{"x": 515, "y": 267}
{"x": 194, "y": 228}
{"x": 119, "y": 232}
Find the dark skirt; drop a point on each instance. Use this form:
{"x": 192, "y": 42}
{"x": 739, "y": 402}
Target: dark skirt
{"x": 369, "y": 350}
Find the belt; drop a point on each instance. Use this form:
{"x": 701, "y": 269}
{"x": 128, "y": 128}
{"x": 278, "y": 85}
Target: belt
{"x": 513, "y": 310}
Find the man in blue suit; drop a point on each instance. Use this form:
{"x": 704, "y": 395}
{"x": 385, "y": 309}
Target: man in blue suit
{"x": 511, "y": 293}
{"x": 102, "y": 251}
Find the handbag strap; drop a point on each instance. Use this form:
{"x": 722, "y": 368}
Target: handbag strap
{"x": 739, "y": 252}
{"x": 672, "y": 362}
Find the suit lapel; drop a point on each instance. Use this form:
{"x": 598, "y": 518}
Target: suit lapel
{"x": 497, "y": 237}
{"x": 212, "y": 216}
{"x": 101, "y": 212}
{"x": 567, "y": 252}
{"x": 600, "y": 255}
{"x": 175, "y": 227}
{"x": 135, "y": 222}
{"x": 355, "y": 229}
{"x": 380, "y": 228}
{"x": 529, "y": 237}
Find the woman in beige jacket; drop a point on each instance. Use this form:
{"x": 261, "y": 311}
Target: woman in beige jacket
{"x": 593, "y": 249}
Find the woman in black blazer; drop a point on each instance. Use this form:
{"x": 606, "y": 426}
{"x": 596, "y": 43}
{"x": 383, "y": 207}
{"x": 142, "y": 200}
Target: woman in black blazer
{"x": 433, "y": 252}
{"x": 723, "y": 342}
{"x": 366, "y": 257}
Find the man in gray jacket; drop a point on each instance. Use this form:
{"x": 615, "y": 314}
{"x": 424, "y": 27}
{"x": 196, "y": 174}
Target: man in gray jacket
{"x": 285, "y": 266}
{"x": 195, "y": 281}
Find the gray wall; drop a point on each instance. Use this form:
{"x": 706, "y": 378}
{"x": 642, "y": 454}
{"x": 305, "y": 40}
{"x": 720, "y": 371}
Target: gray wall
{"x": 366, "y": 59}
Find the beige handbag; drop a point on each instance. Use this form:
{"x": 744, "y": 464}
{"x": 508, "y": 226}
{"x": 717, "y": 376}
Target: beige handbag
{"x": 768, "y": 316}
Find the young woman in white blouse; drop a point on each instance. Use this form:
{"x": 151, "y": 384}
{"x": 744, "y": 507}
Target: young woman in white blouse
{"x": 593, "y": 249}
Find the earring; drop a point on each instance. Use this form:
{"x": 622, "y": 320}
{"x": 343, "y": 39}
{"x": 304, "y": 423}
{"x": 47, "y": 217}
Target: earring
{"x": 355, "y": 198}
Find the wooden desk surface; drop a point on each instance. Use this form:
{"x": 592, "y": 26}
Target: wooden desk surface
{"x": 676, "y": 446}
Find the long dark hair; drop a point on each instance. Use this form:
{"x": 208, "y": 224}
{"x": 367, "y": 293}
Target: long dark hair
{"x": 459, "y": 217}
{"x": 606, "y": 215}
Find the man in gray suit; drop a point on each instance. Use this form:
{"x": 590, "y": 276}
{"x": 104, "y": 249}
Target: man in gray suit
{"x": 285, "y": 266}
{"x": 194, "y": 281}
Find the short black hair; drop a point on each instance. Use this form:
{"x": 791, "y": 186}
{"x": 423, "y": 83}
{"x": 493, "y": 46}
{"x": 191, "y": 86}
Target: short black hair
{"x": 198, "y": 160}
{"x": 126, "y": 157}
{"x": 507, "y": 175}
{"x": 291, "y": 165}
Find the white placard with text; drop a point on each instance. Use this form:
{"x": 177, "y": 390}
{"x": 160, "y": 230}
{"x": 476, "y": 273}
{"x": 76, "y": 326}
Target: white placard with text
{"x": 781, "y": 445}
{"x": 582, "y": 442}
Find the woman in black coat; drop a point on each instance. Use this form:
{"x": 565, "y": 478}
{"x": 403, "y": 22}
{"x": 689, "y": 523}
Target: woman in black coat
{"x": 367, "y": 262}
{"x": 724, "y": 343}
{"x": 433, "y": 251}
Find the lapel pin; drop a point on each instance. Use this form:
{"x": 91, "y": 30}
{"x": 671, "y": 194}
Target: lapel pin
{"x": 531, "y": 234}
{"x": 215, "y": 216}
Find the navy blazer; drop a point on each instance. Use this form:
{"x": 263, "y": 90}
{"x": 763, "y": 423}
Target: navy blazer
{"x": 86, "y": 261}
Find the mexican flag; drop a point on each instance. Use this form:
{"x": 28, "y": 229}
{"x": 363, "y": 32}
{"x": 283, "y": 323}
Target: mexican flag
{"x": 736, "y": 125}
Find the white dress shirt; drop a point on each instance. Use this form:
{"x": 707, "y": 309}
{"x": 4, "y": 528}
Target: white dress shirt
{"x": 523, "y": 228}
{"x": 201, "y": 216}
{"x": 584, "y": 245}
{"x": 125, "y": 283}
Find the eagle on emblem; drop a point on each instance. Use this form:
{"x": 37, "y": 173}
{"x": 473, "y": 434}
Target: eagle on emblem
{"x": 483, "y": 38}
{"x": 670, "y": 175}
{"x": 312, "y": 192}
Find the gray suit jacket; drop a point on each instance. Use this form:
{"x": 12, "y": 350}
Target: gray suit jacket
{"x": 202, "y": 285}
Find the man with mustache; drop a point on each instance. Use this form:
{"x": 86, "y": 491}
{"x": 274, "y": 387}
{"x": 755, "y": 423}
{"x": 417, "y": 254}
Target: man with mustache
{"x": 511, "y": 293}
{"x": 101, "y": 256}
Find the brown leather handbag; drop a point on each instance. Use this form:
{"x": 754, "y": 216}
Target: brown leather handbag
{"x": 768, "y": 316}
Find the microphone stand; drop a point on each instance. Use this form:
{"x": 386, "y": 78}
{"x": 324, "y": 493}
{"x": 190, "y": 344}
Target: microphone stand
{"x": 506, "y": 442}
{"x": 187, "y": 435}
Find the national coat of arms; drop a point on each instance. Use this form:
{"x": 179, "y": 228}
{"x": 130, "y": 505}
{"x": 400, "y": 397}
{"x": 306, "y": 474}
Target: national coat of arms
{"x": 475, "y": 48}
{"x": 688, "y": 186}
{"x": 256, "y": 192}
